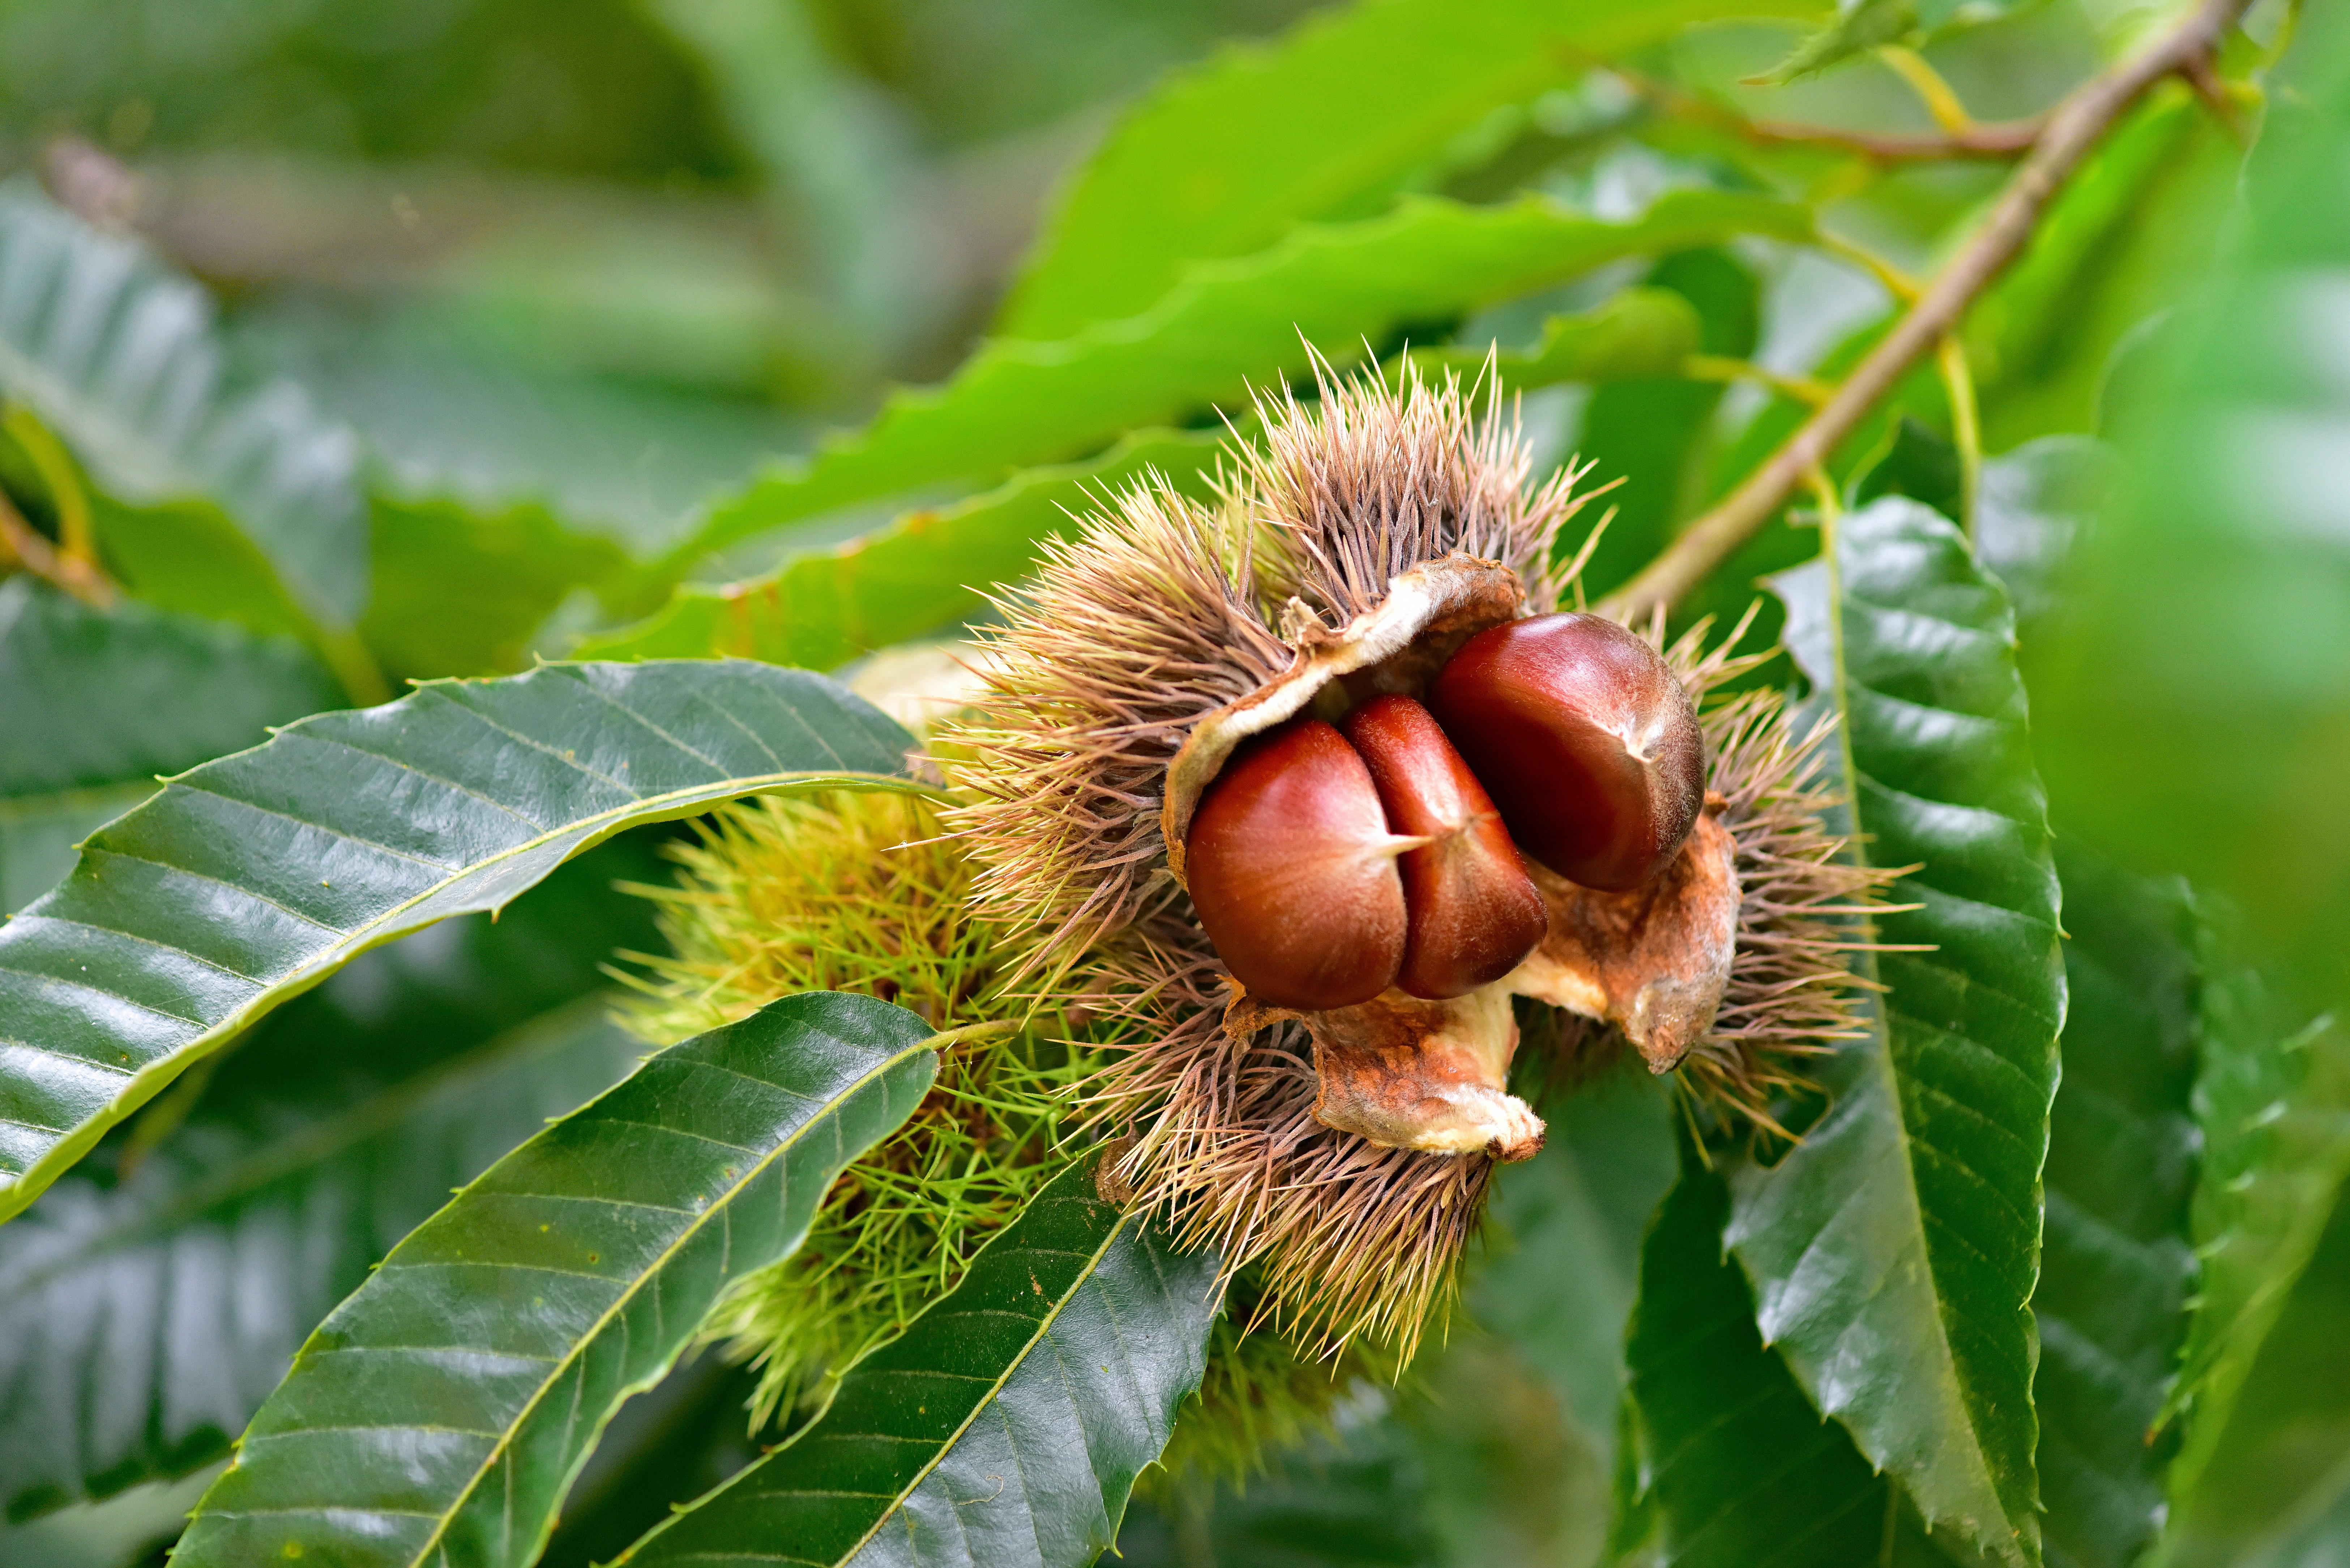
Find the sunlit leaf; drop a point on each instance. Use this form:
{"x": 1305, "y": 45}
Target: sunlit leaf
{"x": 254, "y": 878}
{"x": 151, "y": 1300}
{"x": 99, "y": 703}
{"x": 1006, "y": 1426}
{"x": 1222, "y": 158}
{"x": 923, "y": 572}
{"x": 1225, "y": 326}
{"x": 1894, "y": 1248}
{"x": 439, "y": 1414}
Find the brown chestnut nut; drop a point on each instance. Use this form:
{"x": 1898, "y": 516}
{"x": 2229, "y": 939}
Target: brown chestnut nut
{"x": 1585, "y": 740}
{"x": 1293, "y": 871}
{"x": 1474, "y": 912}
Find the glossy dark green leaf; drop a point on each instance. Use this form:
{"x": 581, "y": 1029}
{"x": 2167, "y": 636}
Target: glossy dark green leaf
{"x": 99, "y": 703}
{"x": 1225, "y": 326}
{"x": 254, "y": 878}
{"x": 1223, "y": 159}
{"x": 1004, "y": 1428}
{"x": 1730, "y": 1465}
{"x": 2117, "y": 1266}
{"x": 440, "y": 1415}
{"x": 120, "y": 358}
{"x": 1894, "y": 1251}
{"x": 152, "y": 1300}
{"x": 925, "y": 571}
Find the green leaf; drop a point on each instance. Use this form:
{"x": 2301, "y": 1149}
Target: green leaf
{"x": 1894, "y": 1251}
{"x": 99, "y": 703}
{"x": 462, "y": 591}
{"x": 1357, "y": 1497}
{"x": 1639, "y": 332}
{"x": 2116, "y": 1265}
{"x": 1561, "y": 1264}
{"x": 1652, "y": 433}
{"x": 441, "y": 1412}
{"x": 152, "y": 1298}
{"x": 1732, "y": 1464}
{"x": 1863, "y": 25}
{"x": 1006, "y": 1426}
{"x": 1225, "y": 326}
{"x": 2140, "y": 217}
{"x": 120, "y": 358}
{"x": 254, "y": 878}
{"x": 2273, "y": 1491}
{"x": 2198, "y": 708}
{"x": 927, "y": 570}
{"x": 2036, "y": 507}
{"x": 2276, "y": 1130}
{"x": 1223, "y": 158}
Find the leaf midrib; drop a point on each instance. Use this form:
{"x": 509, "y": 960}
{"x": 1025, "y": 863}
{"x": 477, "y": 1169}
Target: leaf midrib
{"x": 994, "y": 1388}
{"x": 141, "y": 1085}
{"x": 604, "y": 1319}
{"x": 1880, "y": 1028}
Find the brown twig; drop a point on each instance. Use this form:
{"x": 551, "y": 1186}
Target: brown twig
{"x": 1997, "y": 140}
{"x": 2072, "y": 131}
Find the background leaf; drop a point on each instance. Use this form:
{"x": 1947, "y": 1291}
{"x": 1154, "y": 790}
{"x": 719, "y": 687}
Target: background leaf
{"x": 1893, "y": 1250}
{"x": 1006, "y": 1426}
{"x": 1225, "y": 326}
{"x": 2275, "y": 1491}
{"x": 151, "y": 1300}
{"x": 434, "y": 1417}
{"x": 119, "y": 357}
{"x": 254, "y": 878}
{"x": 1223, "y": 158}
{"x": 1730, "y": 1465}
{"x": 2117, "y": 1266}
{"x": 2203, "y": 676}
{"x": 915, "y": 576}
{"x": 98, "y": 703}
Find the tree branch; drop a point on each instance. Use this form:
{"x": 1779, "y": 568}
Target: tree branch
{"x": 2071, "y": 131}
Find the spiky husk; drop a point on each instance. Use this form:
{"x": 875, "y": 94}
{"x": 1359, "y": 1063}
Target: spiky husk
{"x": 1162, "y": 615}
{"x": 860, "y": 893}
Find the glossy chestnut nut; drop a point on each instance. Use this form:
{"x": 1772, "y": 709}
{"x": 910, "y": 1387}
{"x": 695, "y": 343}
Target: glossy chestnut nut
{"x": 1293, "y": 871}
{"x": 1474, "y": 912}
{"x": 1586, "y": 743}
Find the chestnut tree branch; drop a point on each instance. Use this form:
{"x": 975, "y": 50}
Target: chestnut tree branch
{"x": 2071, "y": 131}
